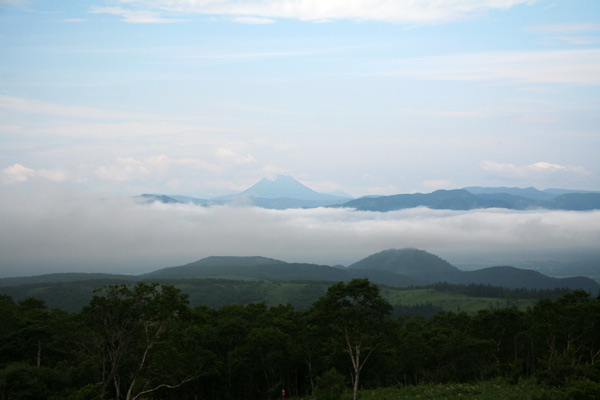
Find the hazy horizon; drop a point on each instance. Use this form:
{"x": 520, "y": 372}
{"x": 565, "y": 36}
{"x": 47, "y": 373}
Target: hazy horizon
{"x": 48, "y": 229}
{"x": 275, "y": 177}
{"x": 107, "y": 99}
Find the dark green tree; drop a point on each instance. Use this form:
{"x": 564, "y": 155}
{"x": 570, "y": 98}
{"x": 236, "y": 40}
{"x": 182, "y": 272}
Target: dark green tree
{"x": 357, "y": 317}
{"x": 129, "y": 325}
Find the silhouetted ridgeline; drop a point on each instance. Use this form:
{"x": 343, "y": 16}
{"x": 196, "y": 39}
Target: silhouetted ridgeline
{"x": 219, "y": 281}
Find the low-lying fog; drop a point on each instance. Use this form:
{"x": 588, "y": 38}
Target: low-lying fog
{"x": 47, "y": 230}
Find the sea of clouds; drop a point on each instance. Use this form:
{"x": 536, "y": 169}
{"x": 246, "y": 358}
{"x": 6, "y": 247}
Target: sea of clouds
{"x": 47, "y": 229}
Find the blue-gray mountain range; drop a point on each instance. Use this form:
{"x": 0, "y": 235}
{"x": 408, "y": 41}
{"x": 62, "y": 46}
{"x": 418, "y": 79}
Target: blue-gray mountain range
{"x": 285, "y": 192}
{"x": 281, "y": 193}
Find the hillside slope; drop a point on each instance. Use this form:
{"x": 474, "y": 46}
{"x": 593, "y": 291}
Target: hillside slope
{"x": 269, "y": 269}
{"x": 458, "y": 199}
{"x": 461, "y": 199}
{"x": 430, "y": 268}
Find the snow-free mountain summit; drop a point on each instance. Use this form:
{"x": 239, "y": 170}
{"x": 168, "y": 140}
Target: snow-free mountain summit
{"x": 280, "y": 193}
{"x": 286, "y": 192}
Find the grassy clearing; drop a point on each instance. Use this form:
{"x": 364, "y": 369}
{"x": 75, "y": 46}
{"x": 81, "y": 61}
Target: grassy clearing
{"x": 488, "y": 390}
{"x": 300, "y": 295}
{"x": 450, "y": 301}
{"x": 491, "y": 390}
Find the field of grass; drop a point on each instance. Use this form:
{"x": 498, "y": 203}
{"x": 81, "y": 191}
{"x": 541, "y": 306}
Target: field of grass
{"x": 72, "y": 296}
{"x": 450, "y": 301}
{"x": 488, "y": 390}
{"x": 301, "y": 295}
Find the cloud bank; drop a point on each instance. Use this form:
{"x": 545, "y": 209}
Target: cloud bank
{"x": 405, "y": 12}
{"x": 46, "y": 229}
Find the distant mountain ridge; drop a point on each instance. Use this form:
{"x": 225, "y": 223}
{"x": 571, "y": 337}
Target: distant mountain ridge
{"x": 462, "y": 199}
{"x": 412, "y": 262}
{"x": 431, "y": 269}
{"x": 393, "y": 267}
{"x": 275, "y": 270}
{"x": 514, "y": 278}
{"x": 285, "y": 192}
{"x": 528, "y": 193}
{"x": 192, "y": 269}
{"x": 458, "y": 199}
{"x": 62, "y": 277}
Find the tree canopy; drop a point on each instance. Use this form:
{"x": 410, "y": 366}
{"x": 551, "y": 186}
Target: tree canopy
{"x": 144, "y": 341}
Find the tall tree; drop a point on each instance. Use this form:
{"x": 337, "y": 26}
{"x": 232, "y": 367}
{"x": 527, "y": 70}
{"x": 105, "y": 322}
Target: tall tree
{"x": 128, "y": 327}
{"x": 357, "y": 316}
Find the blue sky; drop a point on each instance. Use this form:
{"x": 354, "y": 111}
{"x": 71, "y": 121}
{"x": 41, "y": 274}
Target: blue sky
{"x": 364, "y": 97}
{"x": 102, "y": 100}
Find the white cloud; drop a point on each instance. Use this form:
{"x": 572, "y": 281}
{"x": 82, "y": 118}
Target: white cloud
{"x": 55, "y": 175}
{"x": 382, "y": 190}
{"x": 18, "y": 173}
{"x": 119, "y": 130}
{"x": 135, "y": 16}
{"x": 560, "y": 66}
{"x": 253, "y": 20}
{"x": 271, "y": 171}
{"x": 581, "y": 33}
{"x": 424, "y": 113}
{"x": 323, "y": 187}
{"x": 438, "y": 184}
{"x": 198, "y": 163}
{"x": 178, "y": 172}
{"x": 566, "y": 28}
{"x": 230, "y": 157}
{"x": 38, "y": 107}
{"x": 77, "y": 121}
{"x": 404, "y": 12}
{"x": 57, "y": 231}
{"x": 539, "y": 173}
{"x": 579, "y": 40}
{"x": 542, "y": 165}
{"x": 23, "y": 5}
{"x": 125, "y": 169}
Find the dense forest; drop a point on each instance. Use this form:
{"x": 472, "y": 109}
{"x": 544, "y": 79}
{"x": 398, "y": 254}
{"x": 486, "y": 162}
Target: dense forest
{"x": 144, "y": 341}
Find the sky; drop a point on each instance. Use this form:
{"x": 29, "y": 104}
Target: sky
{"x": 106, "y": 99}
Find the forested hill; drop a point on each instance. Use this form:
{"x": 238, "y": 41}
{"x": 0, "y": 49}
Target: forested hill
{"x": 209, "y": 264}
{"x": 394, "y": 267}
{"x": 218, "y": 281}
{"x": 462, "y": 199}
{"x": 430, "y": 269}
{"x": 63, "y": 277}
{"x": 398, "y": 268}
{"x": 458, "y": 199}
{"x": 412, "y": 262}
{"x": 269, "y": 269}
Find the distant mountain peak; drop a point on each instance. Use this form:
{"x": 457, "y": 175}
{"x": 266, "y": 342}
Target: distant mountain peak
{"x": 409, "y": 261}
{"x": 283, "y": 186}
